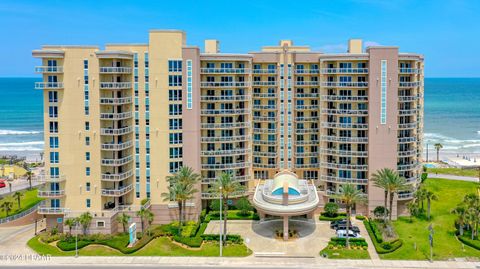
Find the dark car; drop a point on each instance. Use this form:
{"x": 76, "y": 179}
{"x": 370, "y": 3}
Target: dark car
{"x": 334, "y": 224}
{"x": 355, "y": 229}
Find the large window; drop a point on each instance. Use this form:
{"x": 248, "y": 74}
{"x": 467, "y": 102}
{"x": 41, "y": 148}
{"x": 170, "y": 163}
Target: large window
{"x": 175, "y": 66}
{"x": 189, "y": 85}
{"x": 53, "y": 142}
{"x": 54, "y": 157}
{"x": 383, "y": 90}
{"x": 174, "y": 80}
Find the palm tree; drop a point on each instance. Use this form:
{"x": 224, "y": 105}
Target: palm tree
{"x": 182, "y": 187}
{"x": 85, "y": 220}
{"x": 412, "y": 207}
{"x": 461, "y": 212}
{"x": 438, "y": 147}
{"x": 473, "y": 203}
{"x": 349, "y": 195}
{"x": 142, "y": 213}
{"x": 29, "y": 175}
{"x": 420, "y": 196}
{"x": 149, "y": 217}
{"x": 7, "y": 206}
{"x": 381, "y": 180}
{"x": 396, "y": 183}
{"x": 225, "y": 186}
{"x": 123, "y": 219}
{"x": 71, "y": 222}
{"x": 430, "y": 196}
{"x": 18, "y": 195}
{"x": 472, "y": 219}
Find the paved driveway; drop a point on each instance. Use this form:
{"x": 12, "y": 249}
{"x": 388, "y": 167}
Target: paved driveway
{"x": 259, "y": 236}
{"x": 13, "y": 240}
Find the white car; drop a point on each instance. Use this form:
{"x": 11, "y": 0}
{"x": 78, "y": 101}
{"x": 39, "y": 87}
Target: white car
{"x": 351, "y": 234}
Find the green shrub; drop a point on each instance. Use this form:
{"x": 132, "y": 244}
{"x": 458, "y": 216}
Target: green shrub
{"x": 380, "y": 246}
{"x": 203, "y": 214}
{"x": 335, "y": 241}
{"x": 339, "y": 216}
{"x": 215, "y": 205}
{"x": 360, "y": 217}
{"x": 194, "y": 242}
{"x": 244, "y": 206}
{"x": 469, "y": 242}
{"x": 233, "y": 238}
{"x": 331, "y": 210}
{"x": 380, "y": 212}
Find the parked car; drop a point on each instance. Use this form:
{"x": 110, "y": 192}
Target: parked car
{"x": 351, "y": 234}
{"x": 355, "y": 229}
{"x": 3, "y": 184}
{"x": 334, "y": 224}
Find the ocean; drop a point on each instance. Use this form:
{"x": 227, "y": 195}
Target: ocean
{"x": 452, "y": 115}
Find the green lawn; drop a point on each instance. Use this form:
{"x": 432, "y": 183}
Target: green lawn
{"x": 454, "y": 171}
{"x": 446, "y": 245}
{"x": 28, "y": 200}
{"x": 356, "y": 254}
{"x": 161, "y": 246}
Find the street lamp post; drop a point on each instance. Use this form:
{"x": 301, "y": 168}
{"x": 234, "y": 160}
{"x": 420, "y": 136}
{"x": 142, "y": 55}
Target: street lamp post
{"x": 221, "y": 213}
{"x": 76, "y": 240}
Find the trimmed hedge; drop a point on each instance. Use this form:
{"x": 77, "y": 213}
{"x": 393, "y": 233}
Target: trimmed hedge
{"x": 376, "y": 233}
{"x": 194, "y": 242}
{"x": 469, "y": 242}
{"x": 381, "y": 247}
{"x": 353, "y": 242}
{"x": 360, "y": 217}
{"x": 232, "y": 238}
{"x": 339, "y": 216}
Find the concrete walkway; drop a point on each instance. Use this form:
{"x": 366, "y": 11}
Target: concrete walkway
{"x": 453, "y": 177}
{"x": 363, "y": 231}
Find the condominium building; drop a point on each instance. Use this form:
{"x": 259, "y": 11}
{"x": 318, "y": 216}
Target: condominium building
{"x": 119, "y": 120}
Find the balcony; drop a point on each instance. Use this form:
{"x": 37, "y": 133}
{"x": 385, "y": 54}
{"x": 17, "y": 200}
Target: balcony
{"x": 264, "y": 95}
{"x": 411, "y": 125}
{"x": 48, "y": 69}
{"x": 307, "y": 166}
{"x": 115, "y": 101}
{"x": 50, "y": 178}
{"x": 344, "y": 98}
{"x": 307, "y": 131}
{"x": 307, "y": 142}
{"x": 235, "y": 178}
{"x": 264, "y": 83}
{"x": 211, "y": 195}
{"x": 265, "y": 165}
{"x": 117, "y": 177}
{"x": 347, "y": 153}
{"x": 265, "y": 154}
{"x": 407, "y": 139}
{"x": 306, "y": 154}
{"x": 117, "y": 192}
{"x": 115, "y": 70}
{"x": 233, "y": 84}
{"x": 264, "y": 107}
{"x": 332, "y": 138}
{"x": 118, "y": 146}
{"x": 306, "y": 83}
{"x": 344, "y": 70}
{"x": 345, "y": 111}
{"x": 306, "y": 107}
{"x": 264, "y": 118}
{"x": 345, "y": 125}
{"x": 223, "y": 98}
{"x": 356, "y": 167}
{"x": 306, "y": 71}
{"x": 265, "y": 142}
{"x": 226, "y": 138}
{"x": 265, "y": 131}
{"x": 224, "y": 70}
{"x": 307, "y": 95}
{"x": 409, "y": 84}
{"x": 307, "y": 119}
{"x": 342, "y": 180}
{"x": 222, "y": 166}
{"x": 224, "y": 111}
{"x": 116, "y": 116}
{"x": 119, "y": 131}
{"x": 48, "y": 85}
{"x": 409, "y": 71}
{"x": 334, "y": 84}
{"x": 44, "y": 210}
{"x": 227, "y": 125}
{"x": 50, "y": 193}
{"x": 117, "y": 162}
{"x": 407, "y": 153}
{"x": 407, "y": 112}
{"x": 224, "y": 152}
{"x": 264, "y": 71}
{"x": 406, "y": 195}
{"x": 408, "y": 167}
{"x": 115, "y": 85}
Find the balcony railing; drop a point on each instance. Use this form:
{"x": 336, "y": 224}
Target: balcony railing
{"x": 307, "y": 119}
{"x": 211, "y": 195}
{"x": 235, "y": 178}
{"x": 307, "y": 142}
{"x": 50, "y": 193}
{"x": 411, "y": 125}
{"x": 345, "y": 111}
{"x": 264, "y": 95}
{"x": 44, "y": 210}
{"x": 264, "y": 83}
{"x": 306, "y": 83}
{"x": 345, "y": 84}
{"x": 224, "y": 70}
{"x": 406, "y": 195}
{"x": 306, "y": 71}
{"x": 264, "y": 107}
{"x": 117, "y": 192}
{"x": 407, "y": 112}
{"x": 345, "y": 125}
{"x": 264, "y": 118}
{"x": 406, "y": 153}
{"x": 264, "y": 154}
{"x": 349, "y": 153}
{"x": 307, "y": 95}
{"x": 223, "y": 98}
{"x": 409, "y": 70}
{"x": 226, "y": 138}
{"x": 51, "y": 178}
{"x": 48, "y": 69}
{"x": 116, "y": 162}
{"x": 306, "y": 154}
{"x": 115, "y": 85}
{"x": 306, "y": 107}
{"x": 407, "y": 167}
{"x": 307, "y": 131}
{"x": 221, "y": 166}
{"x": 265, "y": 131}
{"x": 225, "y": 125}
{"x": 115, "y": 70}
{"x": 409, "y": 84}
{"x": 331, "y": 138}
{"x": 264, "y": 71}
{"x": 117, "y": 146}
{"x": 264, "y": 142}
{"x": 207, "y": 84}
{"x": 407, "y": 139}
{"x": 307, "y": 166}
{"x": 115, "y": 101}
{"x": 264, "y": 165}
{"x": 344, "y": 70}
{"x": 343, "y": 98}
{"x": 224, "y": 152}
{"x": 116, "y": 116}
{"x": 224, "y": 111}
{"x": 408, "y": 98}
{"x": 332, "y": 165}
{"x": 343, "y": 180}
{"x": 119, "y": 131}
{"x": 117, "y": 177}
{"x": 48, "y": 85}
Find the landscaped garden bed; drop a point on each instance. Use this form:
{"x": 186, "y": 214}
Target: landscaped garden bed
{"x": 337, "y": 249}
{"x": 28, "y": 199}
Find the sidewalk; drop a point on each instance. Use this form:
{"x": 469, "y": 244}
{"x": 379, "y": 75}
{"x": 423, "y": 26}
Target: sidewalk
{"x": 453, "y": 177}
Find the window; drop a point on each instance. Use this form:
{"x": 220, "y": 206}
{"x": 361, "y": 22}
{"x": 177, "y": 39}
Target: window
{"x": 87, "y": 126}
{"x": 87, "y": 140}
{"x": 174, "y": 166}
{"x": 87, "y": 186}
{"x": 53, "y": 111}
{"x": 175, "y": 109}
{"x": 53, "y": 142}
{"x": 176, "y": 153}
{"x": 54, "y": 158}
{"x": 175, "y": 66}
{"x": 189, "y": 85}
{"x": 52, "y": 96}
{"x": 100, "y": 224}
{"x": 175, "y": 124}
{"x": 87, "y": 171}
{"x": 174, "y": 80}
{"x": 87, "y": 156}
{"x": 175, "y": 95}
{"x": 88, "y": 203}
{"x": 383, "y": 90}
{"x": 176, "y": 138}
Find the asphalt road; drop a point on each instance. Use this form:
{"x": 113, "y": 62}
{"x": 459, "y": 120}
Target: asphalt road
{"x": 18, "y": 185}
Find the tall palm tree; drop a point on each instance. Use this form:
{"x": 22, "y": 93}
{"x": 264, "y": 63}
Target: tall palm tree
{"x": 142, "y": 213}
{"x": 412, "y": 207}
{"x": 472, "y": 219}
{"x": 84, "y": 221}
{"x": 29, "y": 175}
{"x": 420, "y": 196}
{"x": 225, "y": 186}
{"x": 381, "y": 180}
{"x": 396, "y": 184}
{"x": 438, "y": 147}
{"x": 430, "y": 196}
{"x": 350, "y": 196}
{"x": 461, "y": 212}
{"x": 149, "y": 218}
{"x": 473, "y": 203}
{"x": 71, "y": 222}
{"x": 182, "y": 187}
{"x": 18, "y": 195}
{"x": 7, "y": 206}
{"x": 123, "y": 219}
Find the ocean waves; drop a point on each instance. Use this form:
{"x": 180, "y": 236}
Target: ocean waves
{"x": 17, "y": 132}
{"x": 22, "y": 146}
{"x": 452, "y": 144}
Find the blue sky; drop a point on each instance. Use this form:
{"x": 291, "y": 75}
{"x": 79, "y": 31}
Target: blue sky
{"x": 446, "y": 32}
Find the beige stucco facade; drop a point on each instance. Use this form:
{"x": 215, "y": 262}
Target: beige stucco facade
{"x": 118, "y": 121}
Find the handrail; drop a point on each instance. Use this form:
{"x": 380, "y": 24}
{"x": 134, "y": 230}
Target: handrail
{"x": 21, "y": 214}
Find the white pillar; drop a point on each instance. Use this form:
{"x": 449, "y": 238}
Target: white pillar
{"x": 285, "y": 228}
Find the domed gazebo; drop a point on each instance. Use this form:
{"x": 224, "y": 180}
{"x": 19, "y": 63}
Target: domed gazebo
{"x": 285, "y": 195}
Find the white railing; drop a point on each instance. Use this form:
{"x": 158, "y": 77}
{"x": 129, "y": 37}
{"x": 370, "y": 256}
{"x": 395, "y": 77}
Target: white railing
{"x": 345, "y": 111}
{"x": 119, "y": 146}
{"x": 343, "y": 98}
{"x": 20, "y": 215}
{"x": 264, "y": 154}
{"x": 406, "y": 167}
{"x": 235, "y": 178}
{"x": 226, "y": 138}
{"x": 48, "y": 85}
{"x": 410, "y": 125}
{"x": 264, "y": 142}
{"x": 264, "y": 165}
{"x": 120, "y": 131}
{"x": 113, "y": 70}
{"x": 344, "y": 70}
{"x": 307, "y": 131}
{"x": 225, "y": 125}
{"x": 211, "y": 195}
{"x": 265, "y": 131}
{"x": 117, "y": 177}
{"x": 345, "y": 84}
{"x": 407, "y": 153}
{"x": 409, "y": 84}
{"x": 345, "y": 125}
{"x": 306, "y": 71}
{"x": 407, "y": 139}
{"x": 408, "y": 98}
{"x": 115, "y": 85}
{"x": 48, "y": 69}
{"x": 264, "y": 71}
{"x": 264, "y": 83}
{"x": 264, "y": 95}
{"x": 117, "y": 192}
{"x": 226, "y": 165}
{"x": 50, "y": 178}
{"x": 116, "y": 116}
{"x": 115, "y": 100}
{"x": 224, "y": 70}
{"x": 117, "y": 162}
{"x": 307, "y": 107}
{"x": 207, "y": 84}
{"x": 306, "y": 83}
{"x": 307, "y": 95}
{"x": 307, "y": 142}
{"x": 306, "y": 119}
{"x": 224, "y": 152}
{"x": 338, "y": 152}
{"x": 48, "y": 194}
{"x": 331, "y": 165}
{"x": 225, "y": 97}
{"x": 264, "y": 118}
{"x": 51, "y": 210}
{"x": 331, "y": 138}
{"x": 265, "y": 107}
{"x": 409, "y": 70}
{"x": 224, "y": 111}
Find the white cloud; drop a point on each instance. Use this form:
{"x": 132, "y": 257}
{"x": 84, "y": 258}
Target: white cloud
{"x": 367, "y": 44}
